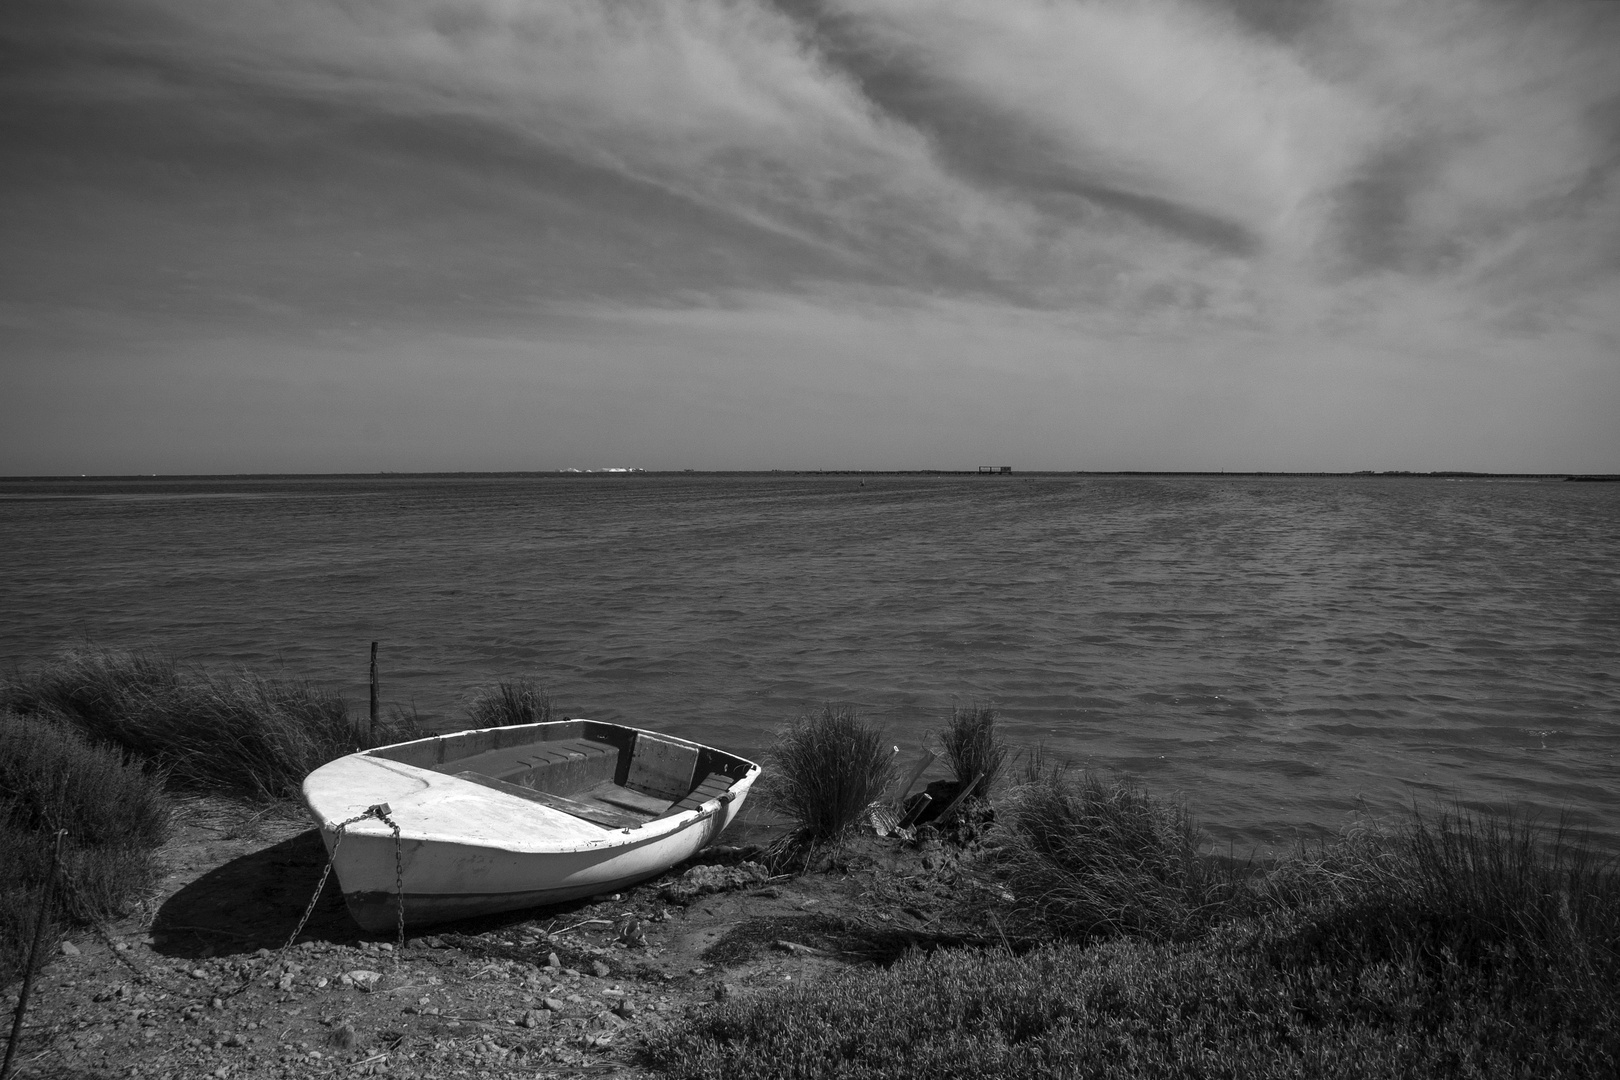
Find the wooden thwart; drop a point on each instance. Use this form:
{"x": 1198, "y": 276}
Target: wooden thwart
{"x": 605, "y": 816}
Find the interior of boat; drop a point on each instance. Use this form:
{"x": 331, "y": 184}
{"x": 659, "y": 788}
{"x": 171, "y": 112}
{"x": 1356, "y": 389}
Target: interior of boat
{"x": 613, "y": 776}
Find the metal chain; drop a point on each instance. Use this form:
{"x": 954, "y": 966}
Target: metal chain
{"x": 399, "y": 876}
{"x": 378, "y": 811}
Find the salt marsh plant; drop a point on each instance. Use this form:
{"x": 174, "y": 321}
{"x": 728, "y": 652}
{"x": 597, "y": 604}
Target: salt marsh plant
{"x": 828, "y": 769}
{"x": 1091, "y": 857}
{"x": 112, "y": 808}
{"x": 1453, "y": 946}
{"x": 973, "y": 747}
{"x": 244, "y": 735}
{"x": 508, "y": 704}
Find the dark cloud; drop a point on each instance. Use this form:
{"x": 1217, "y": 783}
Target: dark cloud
{"x": 1375, "y": 230}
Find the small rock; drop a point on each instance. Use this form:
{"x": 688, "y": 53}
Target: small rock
{"x": 533, "y": 1019}
{"x": 552, "y": 962}
{"x": 362, "y": 979}
{"x": 197, "y": 973}
{"x": 600, "y": 970}
{"x": 553, "y": 1004}
{"x": 724, "y": 992}
{"x": 701, "y": 880}
{"x": 69, "y": 949}
{"x": 216, "y": 1003}
{"x": 235, "y": 1039}
{"x": 793, "y": 948}
{"x": 285, "y": 983}
{"x": 626, "y": 1009}
{"x": 122, "y": 946}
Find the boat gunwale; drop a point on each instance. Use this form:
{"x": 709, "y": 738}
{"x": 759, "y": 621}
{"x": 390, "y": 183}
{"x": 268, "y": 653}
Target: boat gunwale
{"x": 653, "y": 830}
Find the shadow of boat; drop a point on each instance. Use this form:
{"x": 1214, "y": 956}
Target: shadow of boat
{"x": 254, "y": 902}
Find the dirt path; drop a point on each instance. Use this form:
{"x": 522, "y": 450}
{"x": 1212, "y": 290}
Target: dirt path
{"x": 196, "y": 984}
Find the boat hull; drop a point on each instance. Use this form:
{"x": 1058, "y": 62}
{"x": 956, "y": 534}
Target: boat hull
{"x": 465, "y": 850}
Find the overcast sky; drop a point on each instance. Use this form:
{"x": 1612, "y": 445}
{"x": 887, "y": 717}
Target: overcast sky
{"x": 352, "y": 235}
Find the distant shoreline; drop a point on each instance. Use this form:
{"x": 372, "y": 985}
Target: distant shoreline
{"x": 517, "y": 474}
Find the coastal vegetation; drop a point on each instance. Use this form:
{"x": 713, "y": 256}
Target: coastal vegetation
{"x": 1088, "y": 857}
{"x": 243, "y": 735}
{"x": 1087, "y": 931}
{"x": 1453, "y": 946}
{"x": 973, "y": 748}
{"x": 827, "y": 770}
{"x": 508, "y": 704}
{"x": 94, "y": 743}
{"x": 113, "y": 813}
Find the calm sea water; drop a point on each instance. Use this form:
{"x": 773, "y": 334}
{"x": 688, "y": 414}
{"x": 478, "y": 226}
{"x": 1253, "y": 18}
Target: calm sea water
{"x": 1282, "y": 652}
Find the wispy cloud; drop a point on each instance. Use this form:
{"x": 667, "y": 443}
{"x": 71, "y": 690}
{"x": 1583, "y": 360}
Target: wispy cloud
{"x": 1335, "y": 177}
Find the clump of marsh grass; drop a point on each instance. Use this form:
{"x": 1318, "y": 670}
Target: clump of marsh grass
{"x": 829, "y": 769}
{"x": 1533, "y": 912}
{"x": 508, "y": 704}
{"x": 973, "y": 748}
{"x": 1087, "y": 857}
{"x": 113, "y": 810}
{"x": 246, "y": 735}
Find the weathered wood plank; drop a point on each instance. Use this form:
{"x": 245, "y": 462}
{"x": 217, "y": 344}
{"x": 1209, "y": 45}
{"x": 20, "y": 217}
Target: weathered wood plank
{"x": 605, "y": 816}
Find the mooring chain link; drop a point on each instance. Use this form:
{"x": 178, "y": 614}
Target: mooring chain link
{"x": 380, "y": 812}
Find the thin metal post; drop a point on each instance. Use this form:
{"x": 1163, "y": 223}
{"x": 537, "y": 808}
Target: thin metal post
{"x": 374, "y": 690}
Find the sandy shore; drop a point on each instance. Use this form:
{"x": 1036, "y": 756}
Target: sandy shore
{"x": 196, "y": 983}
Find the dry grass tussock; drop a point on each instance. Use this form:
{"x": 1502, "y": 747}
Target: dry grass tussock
{"x": 245, "y": 735}
{"x": 828, "y": 770}
{"x": 1087, "y": 857}
{"x": 509, "y": 704}
{"x": 973, "y": 747}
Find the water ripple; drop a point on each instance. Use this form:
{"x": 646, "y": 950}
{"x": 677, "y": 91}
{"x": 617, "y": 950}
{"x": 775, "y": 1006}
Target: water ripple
{"x": 1284, "y": 652}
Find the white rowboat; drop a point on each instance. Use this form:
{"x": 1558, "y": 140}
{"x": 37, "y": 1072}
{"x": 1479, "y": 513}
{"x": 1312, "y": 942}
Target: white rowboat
{"x": 505, "y": 818}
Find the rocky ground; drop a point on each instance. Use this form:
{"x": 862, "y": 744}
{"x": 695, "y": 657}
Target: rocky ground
{"x": 198, "y": 983}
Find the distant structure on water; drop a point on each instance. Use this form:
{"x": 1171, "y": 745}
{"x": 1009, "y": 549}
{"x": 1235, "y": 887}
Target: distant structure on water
{"x": 995, "y": 469}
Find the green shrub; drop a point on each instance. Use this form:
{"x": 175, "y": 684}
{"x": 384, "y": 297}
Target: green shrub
{"x": 973, "y": 748}
{"x": 113, "y": 810}
{"x": 247, "y": 735}
{"x": 828, "y": 769}
{"x": 509, "y": 704}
